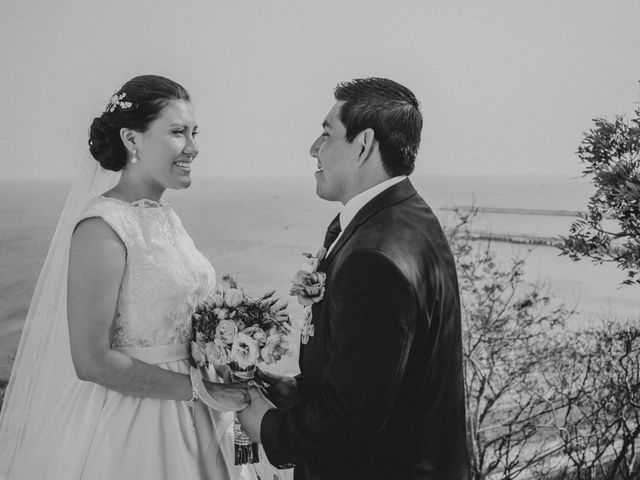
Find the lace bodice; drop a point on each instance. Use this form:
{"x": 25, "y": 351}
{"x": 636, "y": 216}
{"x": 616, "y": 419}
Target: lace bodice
{"x": 165, "y": 275}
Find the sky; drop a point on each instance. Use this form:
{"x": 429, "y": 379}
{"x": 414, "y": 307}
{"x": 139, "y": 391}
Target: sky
{"x": 506, "y": 86}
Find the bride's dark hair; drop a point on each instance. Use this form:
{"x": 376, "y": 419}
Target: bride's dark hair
{"x": 137, "y": 104}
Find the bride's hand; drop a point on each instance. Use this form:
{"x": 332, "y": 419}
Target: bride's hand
{"x": 233, "y": 396}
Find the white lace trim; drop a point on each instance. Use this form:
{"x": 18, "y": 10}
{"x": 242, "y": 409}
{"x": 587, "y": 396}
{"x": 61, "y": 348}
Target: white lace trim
{"x": 142, "y": 203}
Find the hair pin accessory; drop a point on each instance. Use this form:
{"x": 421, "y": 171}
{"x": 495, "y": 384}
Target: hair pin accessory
{"x": 117, "y": 101}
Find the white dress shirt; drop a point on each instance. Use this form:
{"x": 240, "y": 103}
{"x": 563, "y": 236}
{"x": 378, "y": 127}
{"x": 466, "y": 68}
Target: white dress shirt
{"x": 353, "y": 206}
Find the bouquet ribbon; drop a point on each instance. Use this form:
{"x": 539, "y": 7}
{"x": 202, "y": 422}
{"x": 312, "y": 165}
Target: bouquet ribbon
{"x": 245, "y": 450}
{"x": 202, "y": 411}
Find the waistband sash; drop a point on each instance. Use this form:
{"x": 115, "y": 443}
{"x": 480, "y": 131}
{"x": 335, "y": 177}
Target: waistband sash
{"x": 159, "y": 353}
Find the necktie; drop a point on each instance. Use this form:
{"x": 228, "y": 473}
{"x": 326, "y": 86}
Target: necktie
{"x": 332, "y": 232}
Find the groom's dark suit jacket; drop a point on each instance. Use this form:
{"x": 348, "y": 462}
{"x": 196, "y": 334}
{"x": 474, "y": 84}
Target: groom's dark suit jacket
{"x": 381, "y": 379}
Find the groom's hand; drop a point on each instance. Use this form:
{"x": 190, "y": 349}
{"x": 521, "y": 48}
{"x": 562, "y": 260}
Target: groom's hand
{"x": 282, "y": 390}
{"x": 251, "y": 417}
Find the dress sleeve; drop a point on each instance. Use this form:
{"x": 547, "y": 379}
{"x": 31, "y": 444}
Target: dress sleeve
{"x": 107, "y": 211}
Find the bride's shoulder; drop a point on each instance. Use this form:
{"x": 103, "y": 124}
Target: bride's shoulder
{"x": 109, "y": 209}
{"x": 101, "y": 204}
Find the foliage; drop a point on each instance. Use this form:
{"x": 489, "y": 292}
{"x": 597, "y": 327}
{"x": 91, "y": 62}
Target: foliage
{"x": 542, "y": 401}
{"x": 508, "y": 326}
{"x": 610, "y": 229}
{"x": 597, "y": 402}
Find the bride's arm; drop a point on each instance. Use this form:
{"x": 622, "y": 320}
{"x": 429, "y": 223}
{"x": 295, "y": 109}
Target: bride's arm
{"x": 96, "y": 265}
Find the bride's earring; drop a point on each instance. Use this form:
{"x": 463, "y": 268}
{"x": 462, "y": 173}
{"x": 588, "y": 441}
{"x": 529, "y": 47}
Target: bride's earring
{"x": 134, "y": 158}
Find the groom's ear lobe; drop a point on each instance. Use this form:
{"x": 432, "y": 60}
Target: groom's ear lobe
{"x": 367, "y": 139}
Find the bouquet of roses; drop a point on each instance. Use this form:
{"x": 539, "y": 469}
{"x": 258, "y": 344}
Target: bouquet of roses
{"x": 238, "y": 330}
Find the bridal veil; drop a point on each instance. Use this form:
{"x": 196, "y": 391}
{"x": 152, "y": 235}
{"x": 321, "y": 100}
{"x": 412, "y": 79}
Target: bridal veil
{"x": 40, "y": 390}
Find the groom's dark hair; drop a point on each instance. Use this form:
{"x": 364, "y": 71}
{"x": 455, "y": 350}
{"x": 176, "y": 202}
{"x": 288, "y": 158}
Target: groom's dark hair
{"x": 392, "y": 111}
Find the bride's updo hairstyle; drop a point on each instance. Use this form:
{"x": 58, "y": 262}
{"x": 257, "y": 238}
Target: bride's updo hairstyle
{"x": 137, "y": 104}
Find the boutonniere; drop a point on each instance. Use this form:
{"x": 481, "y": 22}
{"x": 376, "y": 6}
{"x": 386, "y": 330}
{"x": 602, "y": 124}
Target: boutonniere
{"x": 309, "y": 285}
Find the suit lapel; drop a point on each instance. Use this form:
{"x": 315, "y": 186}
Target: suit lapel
{"x": 395, "y": 194}
{"x": 341, "y": 241}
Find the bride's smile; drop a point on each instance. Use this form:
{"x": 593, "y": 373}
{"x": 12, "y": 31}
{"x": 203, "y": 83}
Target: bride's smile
{"x": 184, "y": 164}
{"x": 165, "y": 151}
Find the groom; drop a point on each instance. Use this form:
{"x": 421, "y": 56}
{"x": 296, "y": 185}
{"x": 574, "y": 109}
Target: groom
{"x": 380, "y": 393}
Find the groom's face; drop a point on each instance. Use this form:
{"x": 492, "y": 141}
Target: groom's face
{"x": 334, "y": 154}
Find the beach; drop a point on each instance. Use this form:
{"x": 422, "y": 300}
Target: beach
{"x": 256, "y": 228}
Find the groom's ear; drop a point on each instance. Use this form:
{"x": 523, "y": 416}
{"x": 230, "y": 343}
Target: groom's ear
{"x": 366, "y": 139}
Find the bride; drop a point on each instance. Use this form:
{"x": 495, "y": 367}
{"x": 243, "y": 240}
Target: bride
{"x": 100, "y": 388}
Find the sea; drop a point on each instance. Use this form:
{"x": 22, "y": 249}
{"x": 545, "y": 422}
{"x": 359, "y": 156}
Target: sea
{"x": 256, "y": 229}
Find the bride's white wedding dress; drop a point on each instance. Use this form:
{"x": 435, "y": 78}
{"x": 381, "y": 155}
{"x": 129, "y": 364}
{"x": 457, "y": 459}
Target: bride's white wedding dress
{"x": 54, "y": 426}
{"x": 98, "y": 434}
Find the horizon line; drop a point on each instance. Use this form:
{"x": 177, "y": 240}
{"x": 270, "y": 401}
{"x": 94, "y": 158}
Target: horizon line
{"x": 568, "y": 175}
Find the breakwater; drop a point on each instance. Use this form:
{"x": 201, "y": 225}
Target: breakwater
{"x": 515, "y": 211}
{"x": 519, "y": 239}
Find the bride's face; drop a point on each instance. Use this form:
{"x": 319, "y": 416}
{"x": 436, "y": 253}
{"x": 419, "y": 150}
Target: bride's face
{"x": 167, "y": 148}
